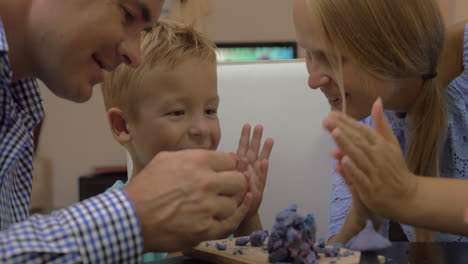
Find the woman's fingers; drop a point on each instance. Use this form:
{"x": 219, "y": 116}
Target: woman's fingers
{"x": 380, "y": 121}
{"x": 354, "y": 147}
{"x": 358, "y": 178}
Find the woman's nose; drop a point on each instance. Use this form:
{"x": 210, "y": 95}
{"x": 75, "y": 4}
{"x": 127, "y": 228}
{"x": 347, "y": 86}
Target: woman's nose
{"x": 318, "y": 74}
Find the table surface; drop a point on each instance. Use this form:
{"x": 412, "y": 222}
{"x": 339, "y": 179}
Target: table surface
{"x": 398, "y": 253}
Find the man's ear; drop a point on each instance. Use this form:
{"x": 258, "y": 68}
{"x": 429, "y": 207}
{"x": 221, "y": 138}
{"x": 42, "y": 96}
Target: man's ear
{"x": 118, "y": 125}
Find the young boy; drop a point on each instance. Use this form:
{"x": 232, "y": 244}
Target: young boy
{"x": 170, "y": 103}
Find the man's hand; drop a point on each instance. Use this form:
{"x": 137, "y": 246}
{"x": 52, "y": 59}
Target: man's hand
{"x": 185, "y": 197}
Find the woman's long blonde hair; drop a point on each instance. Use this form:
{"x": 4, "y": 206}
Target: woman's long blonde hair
{"x": 395, "y": 40}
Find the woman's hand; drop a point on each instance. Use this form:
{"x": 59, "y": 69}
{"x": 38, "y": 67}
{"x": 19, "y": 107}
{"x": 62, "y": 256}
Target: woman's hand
{"x": 372, "y": 162}
{"x": 358, "y": 213}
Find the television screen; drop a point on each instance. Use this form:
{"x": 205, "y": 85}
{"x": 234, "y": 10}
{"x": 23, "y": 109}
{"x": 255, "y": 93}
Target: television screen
{"x": 256, "y": 51}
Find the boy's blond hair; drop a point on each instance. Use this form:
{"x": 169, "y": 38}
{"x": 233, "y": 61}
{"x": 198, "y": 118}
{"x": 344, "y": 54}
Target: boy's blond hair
{"x": 168, "y": 44}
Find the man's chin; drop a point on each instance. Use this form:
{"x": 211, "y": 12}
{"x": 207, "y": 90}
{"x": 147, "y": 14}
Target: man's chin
{"x": 79, "y": 99}
{"x": 78, "y": 94}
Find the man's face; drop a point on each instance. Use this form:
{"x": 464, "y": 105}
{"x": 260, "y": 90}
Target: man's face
{"x": 73, "y": 42}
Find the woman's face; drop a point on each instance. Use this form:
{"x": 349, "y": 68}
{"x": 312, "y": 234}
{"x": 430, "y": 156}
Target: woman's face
{"x": 361, "y": 89}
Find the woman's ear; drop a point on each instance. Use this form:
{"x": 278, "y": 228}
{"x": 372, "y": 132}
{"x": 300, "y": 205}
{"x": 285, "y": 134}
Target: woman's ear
{"x": 118, "y": 125}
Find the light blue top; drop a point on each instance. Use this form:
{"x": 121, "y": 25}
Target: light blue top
{"x": 454, "y": 154}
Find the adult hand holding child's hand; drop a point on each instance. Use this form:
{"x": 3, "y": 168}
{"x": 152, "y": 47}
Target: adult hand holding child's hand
{"x": 185, "y": 197}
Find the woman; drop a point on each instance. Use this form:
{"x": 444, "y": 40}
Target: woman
{"x": 361, "y": 50}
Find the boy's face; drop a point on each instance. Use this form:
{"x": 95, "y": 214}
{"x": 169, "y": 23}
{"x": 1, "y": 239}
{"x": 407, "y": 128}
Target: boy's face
{"x": 178, "y": 110}
{"x": 73, "y": 42}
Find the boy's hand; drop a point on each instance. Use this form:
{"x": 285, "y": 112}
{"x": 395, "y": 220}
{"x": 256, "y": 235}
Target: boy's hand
{"x": 256, "y": 167}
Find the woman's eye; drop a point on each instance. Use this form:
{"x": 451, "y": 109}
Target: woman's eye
{"x": 129, "y": 17}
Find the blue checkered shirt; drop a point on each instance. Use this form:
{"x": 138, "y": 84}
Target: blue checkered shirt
{"x": 103, "y": 229}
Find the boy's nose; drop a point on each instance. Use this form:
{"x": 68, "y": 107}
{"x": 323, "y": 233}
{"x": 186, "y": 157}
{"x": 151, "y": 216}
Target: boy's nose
{"x": 199, "y": 128}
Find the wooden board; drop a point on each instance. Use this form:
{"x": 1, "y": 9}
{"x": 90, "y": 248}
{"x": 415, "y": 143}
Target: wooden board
{"x": 253, "y": 255}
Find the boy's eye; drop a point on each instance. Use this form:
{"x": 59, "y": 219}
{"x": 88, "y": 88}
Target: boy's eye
{"x": 176, "y": 113}
{"x": 129, "y": 17}
{"x": 213, "y": 111}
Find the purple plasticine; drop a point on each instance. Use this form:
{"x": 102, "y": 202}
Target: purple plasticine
{"x": 347, "y": 253}
{"x": 292, "y": 238}
{"x": 321, "y": 243}
{"x": 220, "y": 247}
{"x": 242, "y": 241}
{"x": 368, "y": 240}
{"x": 238, "y": 252}
{"x": 331, "y": 252}
{"x": 257, "y": 238}
{"x": 328, "y": 251}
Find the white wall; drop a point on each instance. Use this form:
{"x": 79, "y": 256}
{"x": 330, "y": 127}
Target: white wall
{"x": 250, "y": 20}
{"x": 460, "y": 8}
{"x": 75, "y": 138}
{"x": 276, "y": 95}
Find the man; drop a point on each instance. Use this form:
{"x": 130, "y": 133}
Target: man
{"x": 178, "y": 200}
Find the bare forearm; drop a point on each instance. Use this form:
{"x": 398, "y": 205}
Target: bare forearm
{"x": 438, "y": 204}
{"x": 351, "y": 227}
{"x": 248, "y": 226}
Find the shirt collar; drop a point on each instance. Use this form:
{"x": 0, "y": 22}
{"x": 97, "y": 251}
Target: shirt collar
{"x": 3, "y": 41}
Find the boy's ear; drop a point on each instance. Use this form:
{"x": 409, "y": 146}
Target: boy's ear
{"x": 118, "y": 125}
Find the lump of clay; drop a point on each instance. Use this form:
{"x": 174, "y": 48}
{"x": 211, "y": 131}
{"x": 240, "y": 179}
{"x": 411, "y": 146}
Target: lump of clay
{"x": 238, "y": 251}
{"x": 220, "y": 247}
{"x": 242, "y": 241}
{"x": 333, "y": 250}
{"x": 347, "y": 253}
{"x": 258, "y": 237}
{"x": 321, "y": 243}
{"x": 368, "y": 240}
{"x": 292, "y": 238}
